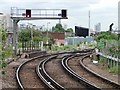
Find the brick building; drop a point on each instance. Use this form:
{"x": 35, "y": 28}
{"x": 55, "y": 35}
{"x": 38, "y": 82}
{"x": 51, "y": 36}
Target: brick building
{"x": 58, "y": 37}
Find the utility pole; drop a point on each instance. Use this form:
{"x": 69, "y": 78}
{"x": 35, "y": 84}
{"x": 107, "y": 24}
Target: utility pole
{"x": 59, "y": 21}
{"x": 118, "y": 16}
{"x": 89, "y": 22}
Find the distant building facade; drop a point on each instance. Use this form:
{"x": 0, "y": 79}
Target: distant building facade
{"x": 58, "y": 37}
{"x": 7, "y": 25}
{"x": 98, "y": 27}
{"x": 3, "y": 21}
{"x": 6, "y": 22}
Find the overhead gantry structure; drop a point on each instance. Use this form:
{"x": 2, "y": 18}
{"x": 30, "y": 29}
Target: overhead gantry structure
{"x": 33, "y": 14}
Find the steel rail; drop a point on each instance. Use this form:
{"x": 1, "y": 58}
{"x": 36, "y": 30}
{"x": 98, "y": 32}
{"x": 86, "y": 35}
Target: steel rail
{"x": 43, "y": 75}
{"x": 80, "y": 79}
{"x": 19, "y": 69}
{"x": 116, "y": 85}
{"x": 20, "y": 85}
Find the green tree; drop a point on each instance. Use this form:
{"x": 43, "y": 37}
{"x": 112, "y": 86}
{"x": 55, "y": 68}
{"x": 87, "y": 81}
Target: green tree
{"x": 24, "y": 35}
{"x": 36, "y": 33}
{"x": 69, "y": 30}
{"x": 58, "y": 28}
{"x": 101, "y": 44}
{"x": 106, "y": 36}
{"x": 107, "y": 41}
{"x": 53, "y": 29}
{"x": 36, "y": 39}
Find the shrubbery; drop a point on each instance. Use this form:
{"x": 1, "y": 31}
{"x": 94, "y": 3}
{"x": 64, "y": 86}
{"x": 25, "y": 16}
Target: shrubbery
{"x": 108, "y": 43}
{"x": 6, "y": 52}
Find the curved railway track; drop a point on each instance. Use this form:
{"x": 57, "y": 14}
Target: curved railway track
{"x": 57, "y": 79}
{"x": 53, "y": 81}
{"x": 29, "y": 68}
{"x": 41, "y": 67}
{"x": 45, "y": 77}
{"x": 104, "y": 80}
{"x": 88, "y": 77}
{"x": 74, "y": 75}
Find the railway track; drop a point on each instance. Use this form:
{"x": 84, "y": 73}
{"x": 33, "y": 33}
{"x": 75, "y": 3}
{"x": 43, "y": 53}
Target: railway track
{"x": 53, "y": 80}
{"x": 88, "y": 77}
{"x": 86, "y": 83}
{"x": 28, "y": 69}
{"x": 104, "y": 80}
{"x": 45, "y": 77}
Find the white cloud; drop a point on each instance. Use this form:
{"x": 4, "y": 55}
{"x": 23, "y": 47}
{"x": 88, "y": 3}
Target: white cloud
{"x": 47, "y": 0}
{"x": 102, "y": 4}
{"x": 77, "y": 10}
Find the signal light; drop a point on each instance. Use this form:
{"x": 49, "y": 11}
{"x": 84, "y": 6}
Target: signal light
{"x": 28, "y": 13}
{"x": 64, "y": 13}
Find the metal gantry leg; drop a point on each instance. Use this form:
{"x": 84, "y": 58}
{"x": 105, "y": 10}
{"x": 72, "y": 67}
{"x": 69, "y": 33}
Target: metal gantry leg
{"x": 15, "y": 36}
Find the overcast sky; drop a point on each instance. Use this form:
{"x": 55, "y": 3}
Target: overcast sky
{"x": 103, "y": 11}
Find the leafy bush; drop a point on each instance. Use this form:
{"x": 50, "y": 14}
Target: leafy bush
{"x": 113, "y": 70}
{"x": 108, "y": 43}
{"x": 3, "y": 65}
{"x": 6, "y": 52}
{"x": 19, "y": 45}
{"x": 106, "y": 36}
{"x": 102, "y": 61}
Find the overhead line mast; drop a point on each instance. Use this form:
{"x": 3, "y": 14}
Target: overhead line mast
{"x": 89, "y": 21}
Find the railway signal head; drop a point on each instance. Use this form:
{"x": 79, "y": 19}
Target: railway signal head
{"x": 28, "y": 13}
{"x": 64, "y": 13}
